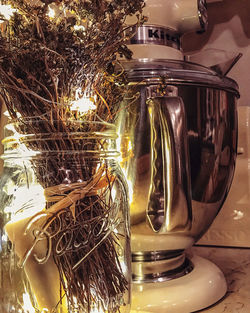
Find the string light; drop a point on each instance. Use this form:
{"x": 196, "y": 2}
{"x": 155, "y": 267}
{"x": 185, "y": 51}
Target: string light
{"x": 6, "y": 11}
{"x": 51, "y": 12}
{"x": 83, "y": 104}
{"x": 27, "y": 305}
{"x": 79, "y": 27}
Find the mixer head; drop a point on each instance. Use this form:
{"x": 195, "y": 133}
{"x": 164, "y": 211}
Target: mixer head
{"x": 167, "y": 21}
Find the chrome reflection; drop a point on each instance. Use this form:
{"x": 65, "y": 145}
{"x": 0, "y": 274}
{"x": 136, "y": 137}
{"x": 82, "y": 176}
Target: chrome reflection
{"x": 182, "y": 139}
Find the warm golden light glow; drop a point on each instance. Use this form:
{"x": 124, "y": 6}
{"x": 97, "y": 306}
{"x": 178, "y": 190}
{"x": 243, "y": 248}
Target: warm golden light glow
{"x": 124, "y": 144}
{"x": 130, "y": 191}
{"x": 27, "y": 305}
{"x": 7, "y": 11}
{"x": 25, "y": 208}
{"x": 15, "y": 139}
{"x": 79, "y": 27}
{"x": 51, "y": 12}
{"x": 83, "y": 103}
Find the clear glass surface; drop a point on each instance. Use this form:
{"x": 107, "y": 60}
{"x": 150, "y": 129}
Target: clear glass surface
{"x": 64, "y": 225}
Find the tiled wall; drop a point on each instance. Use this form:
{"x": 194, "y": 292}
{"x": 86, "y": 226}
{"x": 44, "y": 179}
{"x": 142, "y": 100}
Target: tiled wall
{"x": 229, "y": 34}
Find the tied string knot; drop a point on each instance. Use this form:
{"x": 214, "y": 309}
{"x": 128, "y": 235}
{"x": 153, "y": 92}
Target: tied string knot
{"x": 64, "y": 197}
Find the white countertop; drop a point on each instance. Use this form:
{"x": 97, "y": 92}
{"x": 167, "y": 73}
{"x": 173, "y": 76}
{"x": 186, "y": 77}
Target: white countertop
{"x": 235, "y": 264}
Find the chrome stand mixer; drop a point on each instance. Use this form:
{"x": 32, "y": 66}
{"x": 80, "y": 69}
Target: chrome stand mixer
{"x": 178, "y": 138}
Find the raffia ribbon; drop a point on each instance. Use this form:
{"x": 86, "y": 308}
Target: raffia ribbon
{"x": 79, "y": 190}
{"x": 101, "y": 179}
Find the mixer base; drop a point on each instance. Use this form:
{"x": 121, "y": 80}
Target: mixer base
{"x": 202, "y": 287}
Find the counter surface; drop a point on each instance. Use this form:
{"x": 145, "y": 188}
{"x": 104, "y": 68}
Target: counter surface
{"x": 235, "y": 264}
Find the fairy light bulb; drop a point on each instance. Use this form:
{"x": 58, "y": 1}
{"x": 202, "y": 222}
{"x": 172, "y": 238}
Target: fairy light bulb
{"x": 27, "y": 304}
{"x": 51, "y": 12}
{"x": 7, "y": 11}
{"x": 83, "y": 103}
{"x": 79, "y": 28}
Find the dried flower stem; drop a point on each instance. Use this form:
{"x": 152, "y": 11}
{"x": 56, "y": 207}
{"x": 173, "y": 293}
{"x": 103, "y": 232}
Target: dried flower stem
{"x": 45, "y": 65}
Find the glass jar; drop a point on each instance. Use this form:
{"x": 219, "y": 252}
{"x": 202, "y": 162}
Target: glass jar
{"x": 64, "y": 220}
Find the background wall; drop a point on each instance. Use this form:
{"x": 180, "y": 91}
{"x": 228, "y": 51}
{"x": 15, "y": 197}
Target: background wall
{"x": 229, "y": 34}
{"x": 228, "y": 31}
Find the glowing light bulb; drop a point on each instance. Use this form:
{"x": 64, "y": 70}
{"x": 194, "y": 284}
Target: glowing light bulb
{"x": 51, "y": 13}
{"x": 83, "y": 103}
{"x": 79, "y": 27}
{"x": 26, "y": 208}
{"x": 27, "y": 305}
{"x": 7, "y": 11}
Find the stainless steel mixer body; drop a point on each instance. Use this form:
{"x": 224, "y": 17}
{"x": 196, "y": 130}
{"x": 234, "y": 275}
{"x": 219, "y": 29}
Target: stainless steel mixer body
{"x": 178, "y": 133}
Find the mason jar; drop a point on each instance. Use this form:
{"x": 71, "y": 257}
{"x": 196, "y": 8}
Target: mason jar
{"x": 65, "y": 241}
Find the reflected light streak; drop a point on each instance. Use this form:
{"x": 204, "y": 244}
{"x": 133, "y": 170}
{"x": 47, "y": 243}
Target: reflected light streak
{"x": 130, "y": 191}
{"x": 238, "y": 215}
{"x": 27, "y": 305}
{"x": 124, "y": 146}
{"x": 26, "y": 209}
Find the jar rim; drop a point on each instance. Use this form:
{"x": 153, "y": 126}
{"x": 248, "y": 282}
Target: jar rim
{"x": 95, "y": 140}
{"x": 55, "y": 123}
{"x": 88, "y": 154}
{"x": 98, "y": 130}
{"x": 60, "y": 135}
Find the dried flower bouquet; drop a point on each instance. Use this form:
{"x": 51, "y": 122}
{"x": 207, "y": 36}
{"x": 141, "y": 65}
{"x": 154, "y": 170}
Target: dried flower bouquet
{"x": 57, "y": 77}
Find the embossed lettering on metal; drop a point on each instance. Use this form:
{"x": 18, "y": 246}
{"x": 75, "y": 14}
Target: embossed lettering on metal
{"x": 150, "y": 34}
